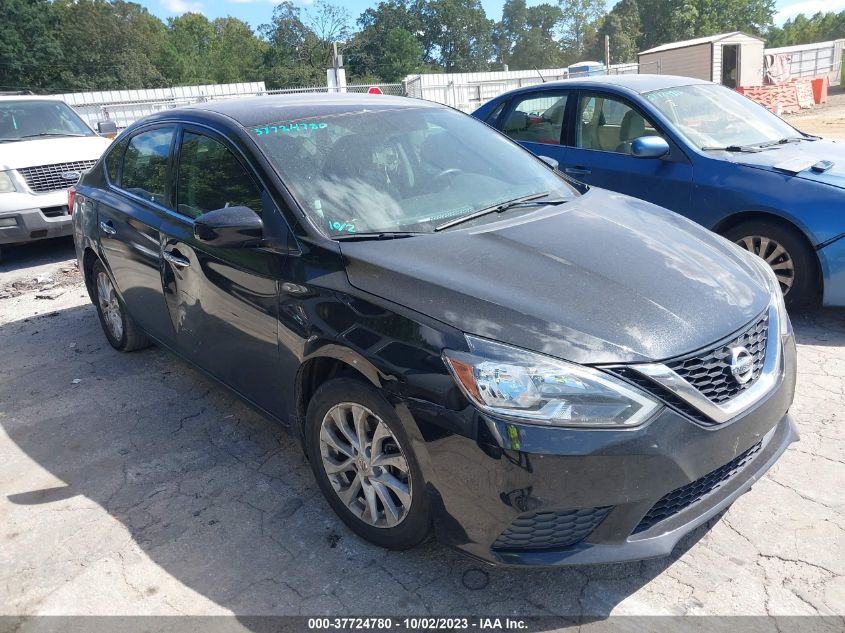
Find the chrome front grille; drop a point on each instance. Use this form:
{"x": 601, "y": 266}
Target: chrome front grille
{"x": 710, "y": 371}
{"x": 49, "y": 177}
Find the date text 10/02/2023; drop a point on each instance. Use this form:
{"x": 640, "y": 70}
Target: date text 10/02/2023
{"x": 418, "y": 623}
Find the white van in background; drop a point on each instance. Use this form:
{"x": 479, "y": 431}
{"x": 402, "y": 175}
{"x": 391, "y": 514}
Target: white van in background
{"x": 44, "y": 147}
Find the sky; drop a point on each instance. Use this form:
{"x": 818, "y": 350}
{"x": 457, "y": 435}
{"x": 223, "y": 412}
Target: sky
{"x": 257, "y": 12}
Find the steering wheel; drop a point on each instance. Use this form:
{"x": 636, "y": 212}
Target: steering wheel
{"x": 448, "y": 173}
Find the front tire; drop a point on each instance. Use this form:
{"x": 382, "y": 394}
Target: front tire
{"x": 120, "y": 329}
{"x": 784, "y": 249}
{"x": 364, "y": 464}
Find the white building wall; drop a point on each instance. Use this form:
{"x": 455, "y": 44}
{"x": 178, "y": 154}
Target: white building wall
{"x": 750, "y": 60}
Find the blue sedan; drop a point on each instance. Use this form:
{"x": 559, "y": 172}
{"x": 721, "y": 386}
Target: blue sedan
{"x": 703, "y": 151}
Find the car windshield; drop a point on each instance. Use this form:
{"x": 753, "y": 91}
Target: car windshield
{"x": 713, "y": 116}
{"x": 21, "y": 120}
{"x": 406, "y": 169}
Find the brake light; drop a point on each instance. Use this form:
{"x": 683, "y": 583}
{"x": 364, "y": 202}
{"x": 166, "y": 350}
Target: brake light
{"x": 71, "y": 196}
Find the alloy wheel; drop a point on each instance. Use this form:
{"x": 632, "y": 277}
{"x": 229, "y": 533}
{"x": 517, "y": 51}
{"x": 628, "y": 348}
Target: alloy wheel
{"x": 109, "y": 306}
{"x": 775, "y": 255}
{"x": 366, "y": 465}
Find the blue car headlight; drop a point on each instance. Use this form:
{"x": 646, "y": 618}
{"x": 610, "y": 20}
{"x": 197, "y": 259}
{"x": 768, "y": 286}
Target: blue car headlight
{"x": 530, "y": 387}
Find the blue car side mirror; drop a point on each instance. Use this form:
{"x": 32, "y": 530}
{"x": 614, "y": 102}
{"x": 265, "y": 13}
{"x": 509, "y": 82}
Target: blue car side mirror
{"x": 649, "y": 147}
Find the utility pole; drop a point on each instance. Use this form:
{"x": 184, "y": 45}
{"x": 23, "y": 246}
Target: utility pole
{"x": 336, "y": 75}
{"x": 607, "y": 53}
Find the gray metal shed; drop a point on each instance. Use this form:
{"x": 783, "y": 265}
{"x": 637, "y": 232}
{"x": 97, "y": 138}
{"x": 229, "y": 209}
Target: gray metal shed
{"x": 733, "y": 59}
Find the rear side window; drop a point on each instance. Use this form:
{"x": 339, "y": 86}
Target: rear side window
{"x": 145, "y": 165}
{"x": 113, "y": 160}
{"x": 536, "y": 118}
{"x": 210, "y": 178}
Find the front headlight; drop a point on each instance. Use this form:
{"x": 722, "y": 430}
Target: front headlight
{"x": 530, "y": 387}
{"x": 6, "y": 184}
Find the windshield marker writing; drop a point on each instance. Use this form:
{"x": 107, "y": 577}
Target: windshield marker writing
{"x": 290, "y": 127}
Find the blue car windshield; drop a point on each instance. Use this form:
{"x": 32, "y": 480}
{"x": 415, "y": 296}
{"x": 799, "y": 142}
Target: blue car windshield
{"x": 408, "y": 169}
{"x": 712, "y": 116}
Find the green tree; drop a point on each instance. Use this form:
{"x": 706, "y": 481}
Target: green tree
{"x": 622, "y": 26}
{"x": 104, "y": 46}
{"x": 538, "y": 47}
{"x": 191, "y": 36}
{"x": 460, "y": 34}
{"x": 28, "y": 46}
{"x": 821, "y": 27}
{"x": 579, "y": 25}
{"x": 402, "y": 55}
{"x": 508, "y": 32}
{"x": 236, "y": 54}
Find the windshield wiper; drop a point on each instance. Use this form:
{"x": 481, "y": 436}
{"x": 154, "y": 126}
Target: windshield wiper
{"x": 501, "y": 207}
{"x": 381, "y": 235}
{"x": 750, "y": 149}
{"x": 51, "y": 134}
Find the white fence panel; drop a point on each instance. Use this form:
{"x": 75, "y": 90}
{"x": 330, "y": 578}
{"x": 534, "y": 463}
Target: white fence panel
{"x": 814, "y": 60}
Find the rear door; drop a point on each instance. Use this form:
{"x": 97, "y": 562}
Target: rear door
{"x": 128, "y": 218}
{"x": 536, "y": 121}
{"x": 605, "y": 125}
{"x": 223, "y": 302}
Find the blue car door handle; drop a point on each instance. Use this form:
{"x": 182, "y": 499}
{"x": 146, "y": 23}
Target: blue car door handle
{"x": 107, "y": 227}
{"x": 578, "y": 171}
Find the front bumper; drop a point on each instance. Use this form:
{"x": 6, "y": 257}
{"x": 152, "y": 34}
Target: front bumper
{"x": 597, "y": 485}
{"x": 36, "y": 216}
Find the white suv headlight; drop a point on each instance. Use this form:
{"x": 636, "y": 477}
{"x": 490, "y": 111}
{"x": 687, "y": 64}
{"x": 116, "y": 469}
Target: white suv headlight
{"x": 6, "y": 184}
{"x": 530, "y": 387}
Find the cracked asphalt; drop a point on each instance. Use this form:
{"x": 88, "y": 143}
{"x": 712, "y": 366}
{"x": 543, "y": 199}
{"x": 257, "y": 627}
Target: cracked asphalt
{"x": 130, "y": 484}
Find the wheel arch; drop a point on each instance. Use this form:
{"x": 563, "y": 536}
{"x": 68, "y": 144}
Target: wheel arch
{"x": 330, "y": 361}
{"x": 729, "y": 222}
{"x": 89, "y": 258}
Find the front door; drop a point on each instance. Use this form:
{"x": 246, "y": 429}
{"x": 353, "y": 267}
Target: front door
{"x": 129, "y": 215}
{"x": 605, "y": 127}
{"x": 535, "y": 121}
{"x": 223, "y": 302}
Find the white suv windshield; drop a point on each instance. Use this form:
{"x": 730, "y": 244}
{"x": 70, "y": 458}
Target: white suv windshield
{"x": 406, "y": 169}
{"x": 21, "y": 120}
{"x": 713, "y": 117}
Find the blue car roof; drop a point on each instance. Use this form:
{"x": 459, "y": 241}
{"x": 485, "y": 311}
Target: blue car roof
{"x": 636, "y": 83}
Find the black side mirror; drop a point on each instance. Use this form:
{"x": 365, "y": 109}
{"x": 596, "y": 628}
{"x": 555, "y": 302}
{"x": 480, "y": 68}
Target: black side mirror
{"x": 551, "y": 162}
{"x": 107, "y": 128}
{"x": 229, "y": 227}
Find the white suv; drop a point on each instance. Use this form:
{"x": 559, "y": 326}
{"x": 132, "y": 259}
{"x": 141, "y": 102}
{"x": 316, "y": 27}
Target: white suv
{"x": 44, "y": 147}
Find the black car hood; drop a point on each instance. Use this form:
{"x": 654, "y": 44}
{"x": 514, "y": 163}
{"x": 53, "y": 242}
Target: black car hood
{"x": 604, "y": 278}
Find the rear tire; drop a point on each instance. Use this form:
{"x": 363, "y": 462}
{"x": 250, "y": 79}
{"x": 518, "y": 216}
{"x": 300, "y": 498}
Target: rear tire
{"x": 120, "y": 329}
{"x": 787, "y": 252}
{"x": 378, "y": 491}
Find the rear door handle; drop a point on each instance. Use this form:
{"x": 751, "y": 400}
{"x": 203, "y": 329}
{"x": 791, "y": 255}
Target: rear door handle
{"x": 177, "y": 260}
{"x": 578, "y": 171}
{"x": 107, "y": 227}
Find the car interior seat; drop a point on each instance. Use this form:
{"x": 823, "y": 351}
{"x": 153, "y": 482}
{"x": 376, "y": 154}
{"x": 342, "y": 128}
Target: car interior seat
{"x": 633, "y": 126}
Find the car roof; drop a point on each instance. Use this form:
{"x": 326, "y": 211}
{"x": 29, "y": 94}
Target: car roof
{"x": 635, "y": 83}
{"x": 254, "y": 111}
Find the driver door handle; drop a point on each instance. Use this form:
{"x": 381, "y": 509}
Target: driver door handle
{"x": 578, "y": 171}
{"x": 177, "y": 260}
{"x": 107, "y": 227}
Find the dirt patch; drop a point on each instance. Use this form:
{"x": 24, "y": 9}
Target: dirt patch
{"x": 826, "y": 120}
{"x": 46, "y": 286}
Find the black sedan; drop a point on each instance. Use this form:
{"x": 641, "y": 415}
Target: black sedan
{"x": 542, "y": 373}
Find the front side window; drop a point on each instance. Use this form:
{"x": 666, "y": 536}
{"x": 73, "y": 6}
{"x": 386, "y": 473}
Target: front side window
{"x": 536, "y": 118}
{"x": 145, "y": 165}
{"x": 711, "y": 116}
{"x": 400, "y": 169}
{"x": 609, "y": 125}
{"x": 210, "y": 178}
{"x": 23, "y": 120}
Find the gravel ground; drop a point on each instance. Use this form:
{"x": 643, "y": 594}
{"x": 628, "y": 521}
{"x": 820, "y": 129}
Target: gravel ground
{"x": 130, "y": 484}
{"x": 827, "y": 120}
